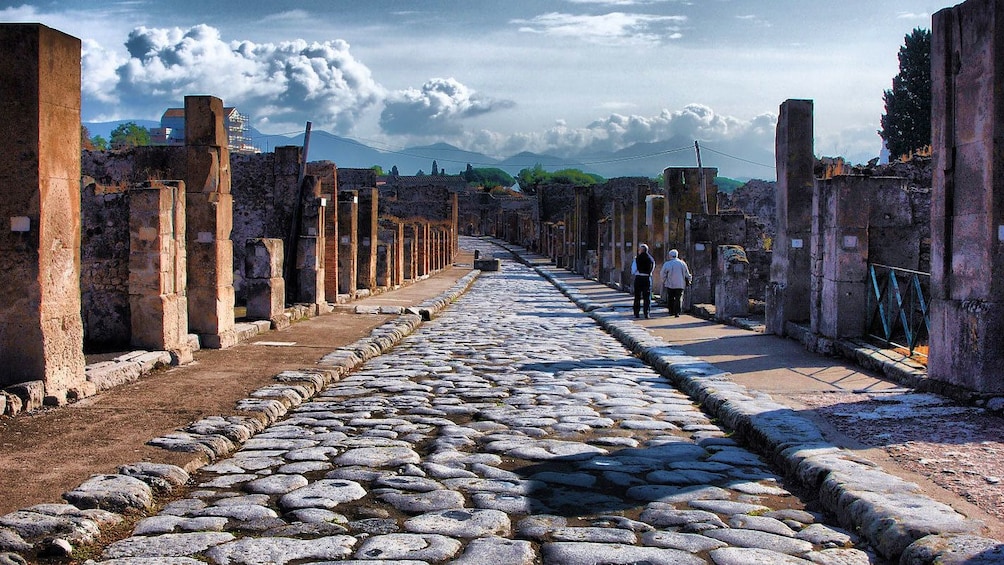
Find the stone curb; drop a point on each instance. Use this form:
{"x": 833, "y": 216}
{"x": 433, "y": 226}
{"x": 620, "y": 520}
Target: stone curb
{"x": 100, "y": 501}
{"x": 890, "y": 513}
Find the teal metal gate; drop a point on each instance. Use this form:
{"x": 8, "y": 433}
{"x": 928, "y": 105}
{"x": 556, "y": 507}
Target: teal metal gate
{"x": 898, "y": 302}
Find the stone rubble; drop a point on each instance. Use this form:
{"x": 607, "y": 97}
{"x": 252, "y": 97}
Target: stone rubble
{"x": 511, "y": 429}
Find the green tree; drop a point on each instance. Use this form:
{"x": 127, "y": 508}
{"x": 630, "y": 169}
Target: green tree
{"x": 99, "y": 143}
{"x": 530, "y": 180}
{"x": 906, "y": 124}
{"x": 129, "y": 135}
{"x": 488, "y": 177}
{"x": 378, "y": 170}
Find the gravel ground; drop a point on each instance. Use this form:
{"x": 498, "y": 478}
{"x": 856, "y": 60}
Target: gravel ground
{"x": 957, "y": 447}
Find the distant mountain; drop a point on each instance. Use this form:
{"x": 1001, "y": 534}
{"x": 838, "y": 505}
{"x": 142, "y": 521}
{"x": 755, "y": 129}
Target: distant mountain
{"x": 640, "y": 159}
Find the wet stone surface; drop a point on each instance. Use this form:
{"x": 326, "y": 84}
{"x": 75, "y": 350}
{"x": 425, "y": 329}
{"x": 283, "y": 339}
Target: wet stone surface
{"x": 511, "y": 429}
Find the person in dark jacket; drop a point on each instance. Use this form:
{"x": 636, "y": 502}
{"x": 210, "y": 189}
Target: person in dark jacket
{"x": 642, "y": 268}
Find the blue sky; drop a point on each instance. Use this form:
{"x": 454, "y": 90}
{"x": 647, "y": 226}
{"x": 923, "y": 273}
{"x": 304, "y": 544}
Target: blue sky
{"x": 565, "y": 77}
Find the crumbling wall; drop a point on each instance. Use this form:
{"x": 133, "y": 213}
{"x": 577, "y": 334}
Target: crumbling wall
{"x": 252, "y": 181}
{"x": 104, "y": 266}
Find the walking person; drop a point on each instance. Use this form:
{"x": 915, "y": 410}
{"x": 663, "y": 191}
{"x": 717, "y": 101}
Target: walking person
{"x": 675, "y": 277}
{"x": 642, "y": 268}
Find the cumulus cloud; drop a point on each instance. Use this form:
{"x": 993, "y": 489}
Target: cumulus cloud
{"x": 618, "y": 131}
{"x": 284, "y": 83}
{"x": 615, "y": 28}
{"x": 436, "y": 108}
{"x": 913, "y": 16}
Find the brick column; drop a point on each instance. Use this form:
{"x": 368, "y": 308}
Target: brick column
{"x": 409, "y": 258}
{"x": 209, "y": 222}
{"x": 158, "y": 304}
{"x": 310, "y": 245}
{"x": 41, "y": 333}
{"x": 788, "y": 292}
{"x": 422, "y": 243}
{"x": 348, "y": 202}
{"x": 368, "y": 226}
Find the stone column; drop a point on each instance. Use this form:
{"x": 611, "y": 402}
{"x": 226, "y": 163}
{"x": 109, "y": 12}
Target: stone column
{"x": 787, "y": 296}
{"x": 41, "y": 333}
{"x": 368, "y": 226}
{"x": 655, "y": 205}
{"x": 702, "y": 267}
{"x": 209, "y": 222}
{"x": 310, "y": 245}
{"x": 397, "y": 255}
{"x": 348, "y": 202}
{"x": 967, "y": 197}
{"x": 263, "y": 263}
{"x": 455, "y": 226}
{"x": 732, "y": 285}
{"x": 158, "y": 304}
{"x": 327, "y": 173}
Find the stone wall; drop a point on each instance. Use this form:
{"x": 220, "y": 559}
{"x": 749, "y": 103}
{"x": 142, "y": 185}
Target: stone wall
{"x": 104, "y": 266}
{"x": 253, "y": 177}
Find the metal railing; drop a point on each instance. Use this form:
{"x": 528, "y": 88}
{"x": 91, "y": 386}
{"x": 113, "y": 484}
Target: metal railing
{"x": 898, "y": 313}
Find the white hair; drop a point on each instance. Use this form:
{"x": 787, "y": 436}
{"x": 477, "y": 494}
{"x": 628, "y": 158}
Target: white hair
{"x": 674, "y": 253}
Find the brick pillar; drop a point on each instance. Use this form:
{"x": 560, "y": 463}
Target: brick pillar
{"x": 41, "y": 333}
{"x": 455, "y": 226}
{"x": 655, "y": 211}
{"x": 368, "y": 226}
{"x": 158, "y": 304}
{"x": 383, "y": 265}
{"x": 263, "y": 263}
{"x": 310, "y": 245}
{"x": 422, "y": 254}
{"x": 967, "y": 197}
{"x": 397, "y": 255}
{"x": 409, "y": 258}
{"x": 327, "y": 173}
{"x": 209, "y": 222}
{"x": 348, "y": 202}
{"x": 788, "y": 292}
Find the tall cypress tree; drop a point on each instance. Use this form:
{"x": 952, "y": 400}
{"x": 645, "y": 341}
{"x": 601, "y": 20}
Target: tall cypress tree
{"x": 906, "y": 124}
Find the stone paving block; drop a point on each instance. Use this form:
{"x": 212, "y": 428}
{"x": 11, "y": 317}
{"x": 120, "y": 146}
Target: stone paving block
{"x": 166, "y": 545}
{"x": 115, "y": 493}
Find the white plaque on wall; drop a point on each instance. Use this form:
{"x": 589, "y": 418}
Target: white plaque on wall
{"x": 850, "y": 242}
{"x": 1000, "y": 233}
{"x": 699, "y": 247}
{"x": 796, "y": 244}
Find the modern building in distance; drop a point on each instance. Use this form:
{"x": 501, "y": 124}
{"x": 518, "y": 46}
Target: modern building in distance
{"x": 172, "y": 129}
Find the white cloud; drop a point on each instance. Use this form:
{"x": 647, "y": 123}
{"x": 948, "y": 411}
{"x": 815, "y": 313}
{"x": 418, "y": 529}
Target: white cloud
{"x": 618, "y": 131}
{"x": 282, "y": 84}
{"x": 615, "y": 28}
{"x": 913, "y": 16}
{"x": 436, "y": 108}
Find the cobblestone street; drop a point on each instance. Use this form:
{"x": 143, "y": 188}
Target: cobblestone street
{"x": 509, "y": 430}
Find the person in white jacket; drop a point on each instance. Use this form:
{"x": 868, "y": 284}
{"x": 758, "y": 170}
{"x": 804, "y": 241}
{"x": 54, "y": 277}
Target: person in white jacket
{"x": 675, "y": 277}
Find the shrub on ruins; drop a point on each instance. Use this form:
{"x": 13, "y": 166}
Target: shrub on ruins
{"x": 906, "y": 124}
{"x": 487, "y": 177}
{"x": 129, "y": 134}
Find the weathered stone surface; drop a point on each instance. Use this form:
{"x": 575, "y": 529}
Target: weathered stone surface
{"x": 572, "y": 553}
{"x": 276, "y": 484}
{"x": 326, "y": 493}
{"x": 694, "y": 543}
{"x": 422, "y": 547}
{"x": 418, "y": 502}
{"x": 497, "y": 550}
{"x": 752, "y": 556}
{"x": 462, "y": 523}
{"x": 114, "y": 493}
{"x": 953, "y": 550}
{"x": 254, "y": 551}
{"x": 763, "y": 540}
{"x": 167, "y": 545}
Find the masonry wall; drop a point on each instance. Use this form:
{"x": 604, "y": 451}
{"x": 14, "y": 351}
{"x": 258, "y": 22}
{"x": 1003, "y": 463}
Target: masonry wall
{"x": 104, "y": 266}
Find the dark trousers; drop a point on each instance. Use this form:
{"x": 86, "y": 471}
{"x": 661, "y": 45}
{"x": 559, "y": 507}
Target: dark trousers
{"x": 642, "y": 294}
{"x": 674, "y": 298}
